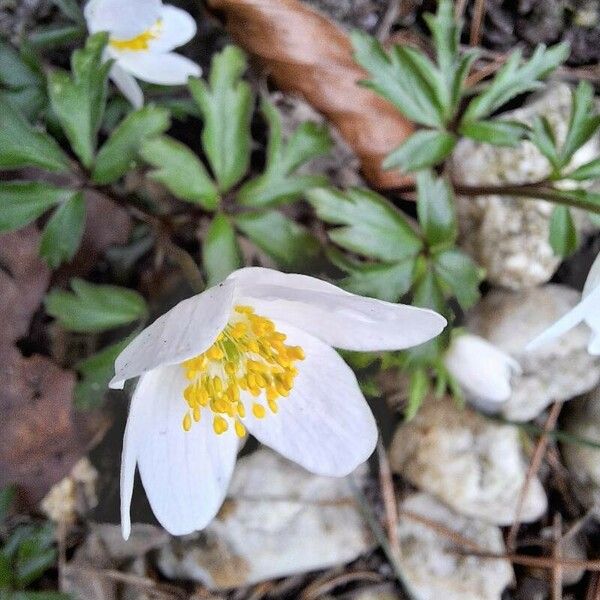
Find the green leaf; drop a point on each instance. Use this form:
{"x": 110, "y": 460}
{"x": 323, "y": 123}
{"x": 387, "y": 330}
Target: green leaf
{"x": 180, "y": 171}
{"x": 590, "y": 170}
{"x": 120, "y": 151}
{"x": 278, "y": 183}
{"x": 286, "y": 242}
{"x": 397, "y": 78}
{"x": 377, "y": 280}
{"x": 39, "y": 596}
{"x": 70, "y": 9}
{"x": 445, "y": 30}
{"x": 7, "y": 497}
{"x": 458, "y": 271}
{"x": 563, "y": 234}
{"x": 62, "y": 235}
{"x": 436, "y": 210}
{"x": 494, "y": 131}
{"x": 23, "y": 146}
{"x": 418, "y": 388}
{"x": 226, "y": 106}
{"x": 95, "y": 372}
{"x": 542, "y": 136}
{"x": 91, "y": 308}
{"x": 24, "y": 201}
{"x": 35, "y": 556}
{"x": 6, "y": 577}
{"x": 79, "y": 99}
{"x": 55, "y": 35}
{"x": 515, "y": 78}
{"x": 370, "y": 225}
{"x": 220, "y": 250}
{"x": 425, "y": 148}
{"x": 582, "y": 123}
{"x": 14, "y": 72}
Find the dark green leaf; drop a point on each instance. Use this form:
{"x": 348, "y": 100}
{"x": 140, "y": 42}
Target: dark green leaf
{"x": 542, "y": 136}
{"x": 120, "y": 151}
{"x": 371, "y": 226}
{"x": 39, "y": 596}
{"x": 14, "y": 72}
{"x": 278, "y": 183}
{"x": 445, "y": 30}
{"x": 418, "y": 388}
{"x": 24, "y": 201}
{"x": 226, "y": 106}
{"x": 78, "y": 100}
{"x": 54, "y": 36}
{"x": 23, "y": 146}
{"x": 95, "y": 373}
{"x": 180, "y": 171}
{"x": 590, "y": 170}
{"x": 436, "y": 210}
{"x": 514, "y": 78}
{"x": 458, "y": 271}
{"x": 6, "y": 577}
{"x": 289, "y": 244}
{"x": 91, "y": 308}
{"x": 220, "y": 250}
{"x": 28, "y": 101}
{"x": 62, "y": 235}
{"x": 71, "y": 10}
{"x": 7, "y": 496}
{"x": 494, "y": 131}
{"x": 421, "y": 150}
{"x": 563, "y": 234}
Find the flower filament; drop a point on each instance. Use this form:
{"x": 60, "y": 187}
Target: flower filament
{"x": 140, "y": 42}
{"x": 249, "y": 357}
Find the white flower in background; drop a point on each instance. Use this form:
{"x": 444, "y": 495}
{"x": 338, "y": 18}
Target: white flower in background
{"x": 482, "y": 370}
{"x": 253, "y": 353}
{"x": 588, "y": 311}
{"x": 142, "y": 34}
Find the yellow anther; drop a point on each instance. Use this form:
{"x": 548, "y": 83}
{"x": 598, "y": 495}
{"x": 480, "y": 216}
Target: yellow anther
{"x": 296, "y": 352}
{"x": 230, "y": 368}
{"x": 241, "y": 410}
{"x": 255, "y": 391}
{"x": 272, "y": 393}
{"x": 245, "y": 310}
{"x": 217, "y": 385}
{"x": 258, "y": 410}
{"x": 220, "y": 425}
{"x": 187, "y": 421}
{"x": 273, "y": 405}
{"x": 240, "y": 429}
{"x": 196, "y": 413}
{"x": 215, "y": 353}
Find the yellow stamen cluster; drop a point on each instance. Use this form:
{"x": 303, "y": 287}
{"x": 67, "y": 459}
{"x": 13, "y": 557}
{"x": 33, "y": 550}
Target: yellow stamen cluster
{"x": 248, "y": 358}
{"x": 140, "y": 42}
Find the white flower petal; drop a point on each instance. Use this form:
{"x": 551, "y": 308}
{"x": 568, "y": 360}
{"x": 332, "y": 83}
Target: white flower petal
{"x": 177, "y": 28}
{"x": 163, "y": 69}
{"x": 333, "y": 315}
{"x": 325, "y": 425}
{"x": 594, "y": 345}
{"x": 128, "y": 85}
{"x": 185, "y": 474}
{"x": 185, "y": 331}
{"x": 586, "y": 309}
{"x": 122, "y": 19}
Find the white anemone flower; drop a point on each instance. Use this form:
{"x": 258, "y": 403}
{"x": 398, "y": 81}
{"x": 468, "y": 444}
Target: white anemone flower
{"x": 588, "y": 311}
{"x": 253, "y": 353}
{"x": 482, "y": 370}
{"x": 142, "y": 35}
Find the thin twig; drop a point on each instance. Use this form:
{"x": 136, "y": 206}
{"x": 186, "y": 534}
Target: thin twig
{"x": 534, "y": 465}
{"x": 319, "y": 589}
{"x": 389, "y": 498}
{"x": 184, "y": 261}
{"x": 477, "y": 22}
{"x": 557, "y": 571}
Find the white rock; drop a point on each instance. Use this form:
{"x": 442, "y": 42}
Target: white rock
{"x": 279, "y": 520}
{"x": 471, "y": 463}
{"x": 430, "y": 563}
{"x": 558, "y": 371}
{"x": 507, "y": 235}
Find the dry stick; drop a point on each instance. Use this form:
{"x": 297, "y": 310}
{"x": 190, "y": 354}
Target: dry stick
{"x": 476, "y": 23}
{"x": 319, "y": 589}
{"x": 534, "y": 465}
{"x": 557, "y": 572}
{"x": 593, "y": 591}
{"x": 459, "y": 8}
{"x": 389, "y": 498}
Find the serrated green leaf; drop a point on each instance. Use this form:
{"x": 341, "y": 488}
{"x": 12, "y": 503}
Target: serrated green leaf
{"x": 370, "y": 225}
{"x": 23, "y": 146}
{"x": 425, "y": 148}
{"x": 63, "y": 231}
{"x": 436, "y": 210}
{"x": 377, "y": 280}
{"x": 494, "y": 131}
{"x": 120, "y": 151}
{"x": 590, "y": 170}
{"x": 279, "y": 183}
{"x": 92, "y": 308}
{"x": 79, "y": 99}
{"x": 180, "y": 171}
{"x": 458, "y": 271}
{"x": 290, "y": 245}
{"x": 24, "y": 201}
{"x": 226, "y": 106}
{"x": 95, "y": 372}
{"x": 445, "y": 31}
{"x": 398, "y": 79}
{"x": 418, "y": 388}
{"x": 14, "y": 72}
{"x": 515, "y": 78}
{"x": 459, "y": 77}
{"x": 45, "y": 37}
{"x": 220, "y": 251}
{"x": 563, "y": 233}
{"x": 542, "y": 136}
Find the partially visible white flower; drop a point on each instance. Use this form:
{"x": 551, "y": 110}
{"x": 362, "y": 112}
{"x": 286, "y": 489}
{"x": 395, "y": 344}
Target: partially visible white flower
{"x": 253, "y": 353}
{"x": 482, "y": 370}
{"x": 588, "y": 311}
{"x": 142, "y": 34}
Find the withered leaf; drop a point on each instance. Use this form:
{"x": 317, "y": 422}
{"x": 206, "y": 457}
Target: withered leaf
{"x": 307, "y": 54}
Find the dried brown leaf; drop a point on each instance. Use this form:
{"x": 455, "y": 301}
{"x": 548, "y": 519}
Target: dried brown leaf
{"x": 307, "y": 54}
